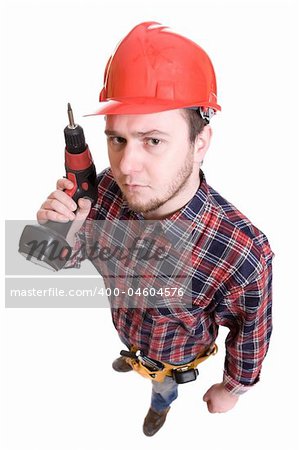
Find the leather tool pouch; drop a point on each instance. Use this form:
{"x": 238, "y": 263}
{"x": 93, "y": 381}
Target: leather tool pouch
{"x": 184, "y": 375}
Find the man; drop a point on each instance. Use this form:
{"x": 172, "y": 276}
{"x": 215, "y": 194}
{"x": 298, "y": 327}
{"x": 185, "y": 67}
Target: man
{"x": 158, "y": 97}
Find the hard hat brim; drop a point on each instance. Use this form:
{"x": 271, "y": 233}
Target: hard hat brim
{"x": 144, "y": 106}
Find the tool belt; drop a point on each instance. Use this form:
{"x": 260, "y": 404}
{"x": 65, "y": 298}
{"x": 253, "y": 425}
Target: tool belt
{"x": 158, "y": 370}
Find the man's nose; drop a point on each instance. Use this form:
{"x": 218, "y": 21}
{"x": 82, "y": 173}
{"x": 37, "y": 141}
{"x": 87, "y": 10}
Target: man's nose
{"x": 130, "y": 159}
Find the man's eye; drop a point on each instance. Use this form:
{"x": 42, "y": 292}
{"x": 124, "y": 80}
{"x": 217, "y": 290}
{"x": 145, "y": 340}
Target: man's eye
{"x": 153, "y": 141}
{"x": 116, "y": 140}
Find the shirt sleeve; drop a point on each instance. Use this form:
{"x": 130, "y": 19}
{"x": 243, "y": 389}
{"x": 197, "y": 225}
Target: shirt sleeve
{"x": 247, "y": 314}
{"x": 78, "y": 253}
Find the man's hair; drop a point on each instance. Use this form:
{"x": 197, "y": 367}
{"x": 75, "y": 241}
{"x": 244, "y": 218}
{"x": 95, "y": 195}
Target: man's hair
{"x": 195, "y": 123}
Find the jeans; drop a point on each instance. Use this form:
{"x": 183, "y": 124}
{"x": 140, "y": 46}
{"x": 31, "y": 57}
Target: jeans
{"x": 163, "y": 394}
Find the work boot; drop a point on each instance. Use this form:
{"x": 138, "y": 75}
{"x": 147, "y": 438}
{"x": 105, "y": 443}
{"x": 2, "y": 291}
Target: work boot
{"x": 120, "y": 365}
{"x": 154, "y": 421}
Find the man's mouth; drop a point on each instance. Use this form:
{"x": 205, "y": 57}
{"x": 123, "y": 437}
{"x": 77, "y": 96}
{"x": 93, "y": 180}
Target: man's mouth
{"x": 133, "y": 186}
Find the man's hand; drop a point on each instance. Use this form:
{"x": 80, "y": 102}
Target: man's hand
{"x": 219, "y": 400}
{"x": 60, "y": 207}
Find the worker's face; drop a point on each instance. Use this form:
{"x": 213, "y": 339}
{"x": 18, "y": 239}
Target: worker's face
{"x": 151, "y": 158}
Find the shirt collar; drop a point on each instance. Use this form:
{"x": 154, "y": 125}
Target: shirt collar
{"x": 180, "y": 224}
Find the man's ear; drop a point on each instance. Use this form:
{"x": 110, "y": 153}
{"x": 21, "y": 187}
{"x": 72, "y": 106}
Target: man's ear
{"x": 202, "y": 143}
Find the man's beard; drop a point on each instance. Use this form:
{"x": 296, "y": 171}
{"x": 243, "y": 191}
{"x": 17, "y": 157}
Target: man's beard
{"x": 179, "y": 182}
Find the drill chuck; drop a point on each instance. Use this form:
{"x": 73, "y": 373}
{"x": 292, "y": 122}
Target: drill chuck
{"x": 74, "y": 135}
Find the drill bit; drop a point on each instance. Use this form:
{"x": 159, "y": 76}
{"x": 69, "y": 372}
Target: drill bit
{"x": 71, "y": 117}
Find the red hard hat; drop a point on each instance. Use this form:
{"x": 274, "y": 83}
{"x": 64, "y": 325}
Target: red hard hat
{"x": 154, "y": 69}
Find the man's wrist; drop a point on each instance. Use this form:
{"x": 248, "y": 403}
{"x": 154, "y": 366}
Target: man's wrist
{"x": 233, "y": 386}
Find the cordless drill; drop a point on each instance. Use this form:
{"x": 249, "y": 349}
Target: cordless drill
{"x": 46, "y": 245}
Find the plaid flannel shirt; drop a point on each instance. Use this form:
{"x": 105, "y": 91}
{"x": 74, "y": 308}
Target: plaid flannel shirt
{"x": 231, "y": 285}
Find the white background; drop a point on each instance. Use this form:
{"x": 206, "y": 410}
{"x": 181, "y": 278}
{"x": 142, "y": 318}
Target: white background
{"x": 58, "y": 390}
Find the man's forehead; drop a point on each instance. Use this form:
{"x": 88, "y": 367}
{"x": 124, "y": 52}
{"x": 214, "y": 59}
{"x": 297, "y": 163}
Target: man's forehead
{"x": 141, "y": 123}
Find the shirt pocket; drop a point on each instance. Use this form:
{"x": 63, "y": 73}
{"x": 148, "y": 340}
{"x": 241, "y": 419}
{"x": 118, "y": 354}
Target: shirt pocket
{"x": 187, "y": 317}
